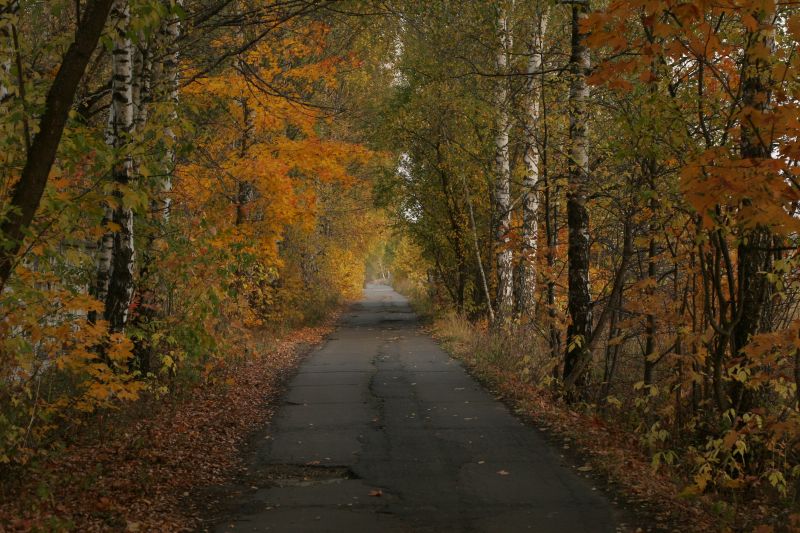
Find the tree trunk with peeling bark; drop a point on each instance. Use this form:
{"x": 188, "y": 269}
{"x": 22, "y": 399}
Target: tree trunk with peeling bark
{"x": 172, "y": 31}
{"x": 117, "y": 255}
{"x": 526, "y": 300}
{"x": 502, "y": 189}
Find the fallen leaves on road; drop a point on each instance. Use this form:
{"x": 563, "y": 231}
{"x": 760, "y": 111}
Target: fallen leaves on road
{"x": 503, "y": 472}
{"x": 376, "y": 493}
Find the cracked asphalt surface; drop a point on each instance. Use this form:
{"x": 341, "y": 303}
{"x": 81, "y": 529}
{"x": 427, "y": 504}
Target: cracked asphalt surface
{"x": 380, "y": 430}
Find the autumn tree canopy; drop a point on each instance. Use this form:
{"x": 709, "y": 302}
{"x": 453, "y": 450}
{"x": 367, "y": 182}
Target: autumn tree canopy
{"x": 608, "y": 190}
{"x": 202, "y": 185}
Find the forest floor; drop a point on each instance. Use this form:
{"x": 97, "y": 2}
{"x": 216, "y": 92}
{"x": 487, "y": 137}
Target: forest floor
{"x": 141, "y": 468}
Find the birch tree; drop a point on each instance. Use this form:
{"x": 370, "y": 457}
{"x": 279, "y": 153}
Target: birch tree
{"x": 502, "y": 190}
{"x": 526, "y": 303}
{"x": 172, "y": 32}
{"x": 116, "y": 255}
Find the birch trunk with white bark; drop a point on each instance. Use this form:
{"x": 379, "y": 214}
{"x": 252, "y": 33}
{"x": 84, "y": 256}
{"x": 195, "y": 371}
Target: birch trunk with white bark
{"x": 502, "y": 190}
{"x": 117, "y": 254}
{"x": 141, "y": 82}
{"x": 172, "y": 32}
{"x": 526, "y": 301}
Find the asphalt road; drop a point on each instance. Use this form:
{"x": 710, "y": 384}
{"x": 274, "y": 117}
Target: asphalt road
{"x": 382, "y": 431}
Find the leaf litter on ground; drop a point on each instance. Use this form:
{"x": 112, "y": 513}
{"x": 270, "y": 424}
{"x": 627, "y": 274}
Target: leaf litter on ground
{"x": 139, "y": 473}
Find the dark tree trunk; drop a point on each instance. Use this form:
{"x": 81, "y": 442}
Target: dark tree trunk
{"x": 755, "y": 253}
{"x": 26, "y": 194}
{"x": 579, "y": 298}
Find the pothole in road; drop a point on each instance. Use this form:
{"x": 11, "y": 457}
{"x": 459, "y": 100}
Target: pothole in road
{"x": 285, "y": 475}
